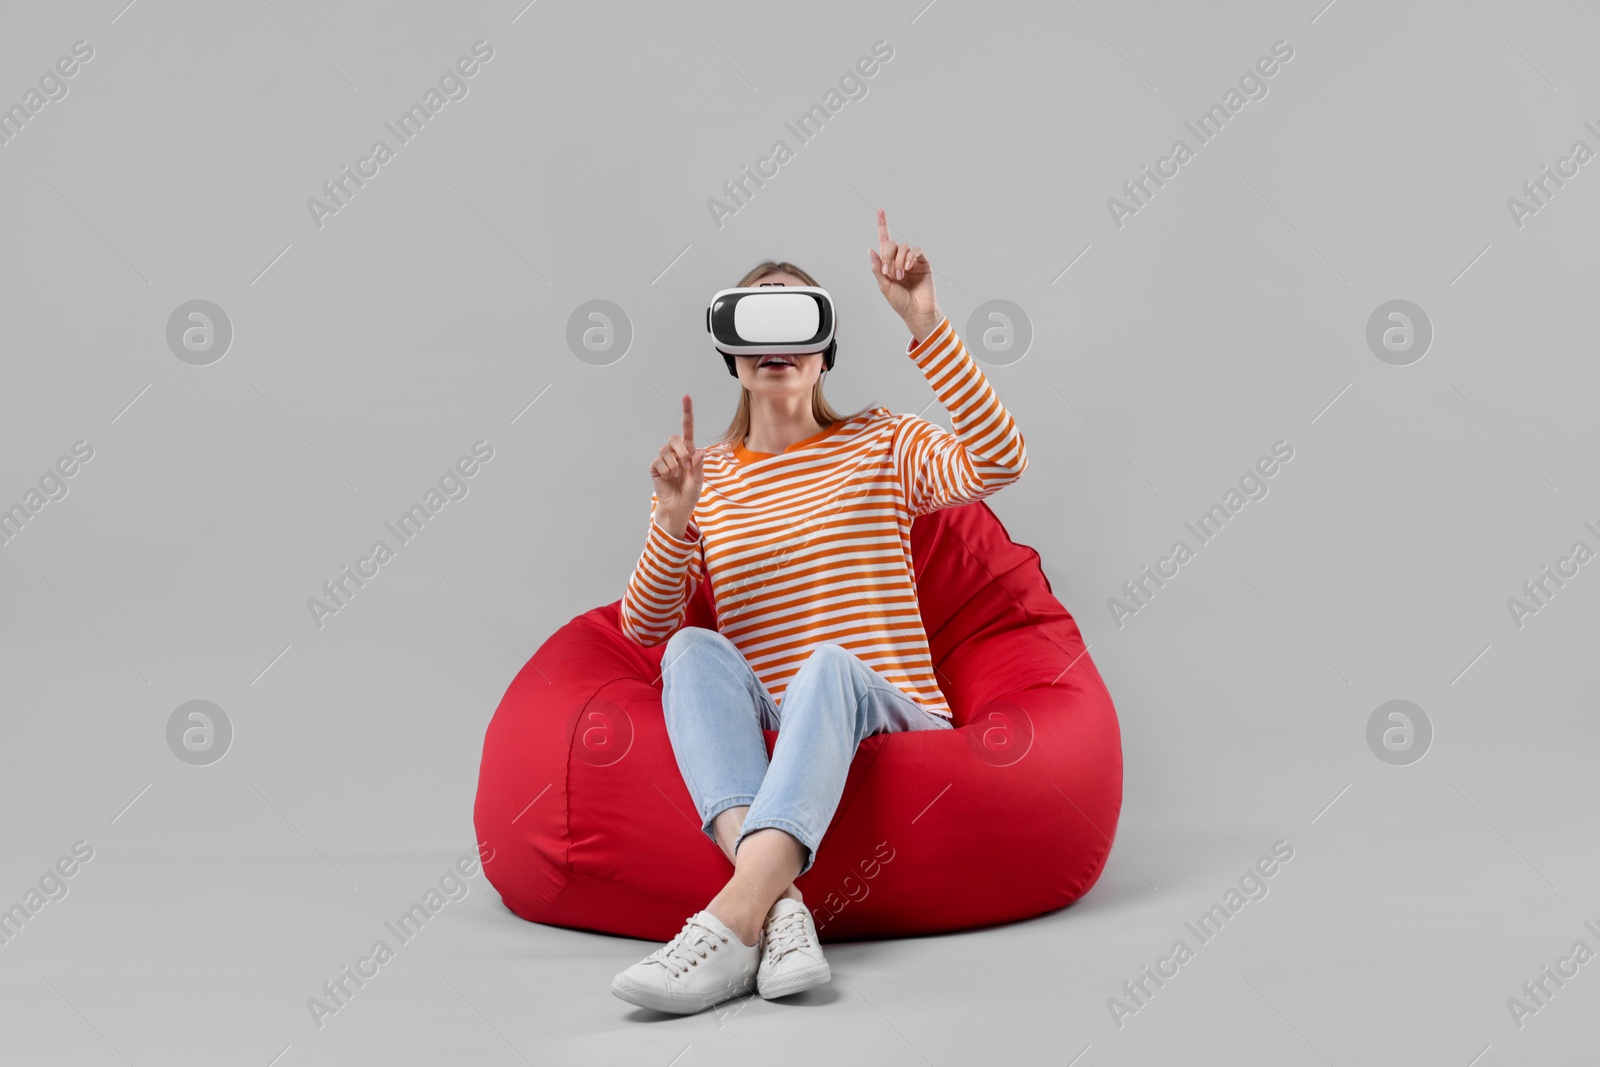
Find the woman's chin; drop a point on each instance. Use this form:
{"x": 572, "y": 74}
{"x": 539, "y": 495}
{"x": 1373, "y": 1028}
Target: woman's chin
{"x": 790, "y": 386}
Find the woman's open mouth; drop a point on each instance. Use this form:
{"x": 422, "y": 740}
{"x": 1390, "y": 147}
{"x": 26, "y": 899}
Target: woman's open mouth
{"x": 776, "y": 363}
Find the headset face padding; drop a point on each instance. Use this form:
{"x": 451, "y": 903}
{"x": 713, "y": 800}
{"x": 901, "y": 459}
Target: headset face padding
{"x": 762, "y": 320}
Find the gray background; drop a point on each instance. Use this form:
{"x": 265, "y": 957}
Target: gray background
{"x": 369, "y": 354}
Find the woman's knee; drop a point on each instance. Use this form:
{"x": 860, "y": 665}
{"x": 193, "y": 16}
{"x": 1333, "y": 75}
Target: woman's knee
{"x": 688, "y": 639}
{"x": 828, "y": 659}
{"x": 830, "y": 655}
{"x": 833, "y": 659}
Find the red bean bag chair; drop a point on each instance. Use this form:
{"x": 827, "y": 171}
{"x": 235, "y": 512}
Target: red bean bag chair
{"x": 584, "y": 821}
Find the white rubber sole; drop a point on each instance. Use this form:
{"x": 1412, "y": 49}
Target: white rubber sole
{"x": 643, "y": 996}
{"x": 798, "y": 982}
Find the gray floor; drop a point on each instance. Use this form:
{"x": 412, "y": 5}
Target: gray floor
{"x": 1384, "y": 940}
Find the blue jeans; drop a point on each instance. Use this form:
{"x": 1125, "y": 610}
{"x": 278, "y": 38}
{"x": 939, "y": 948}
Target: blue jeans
{"x": 716, "y": 708}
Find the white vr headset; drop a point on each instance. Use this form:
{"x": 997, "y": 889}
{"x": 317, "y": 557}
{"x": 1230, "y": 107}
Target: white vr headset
{"x": 772, "y": 318}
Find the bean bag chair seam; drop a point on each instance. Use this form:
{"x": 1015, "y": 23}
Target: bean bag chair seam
{"x": 570, "y": 869}
{"x": 566, "y": 768}
{"x": 1031, "y": 620}
{"x": 1038, "y": 559}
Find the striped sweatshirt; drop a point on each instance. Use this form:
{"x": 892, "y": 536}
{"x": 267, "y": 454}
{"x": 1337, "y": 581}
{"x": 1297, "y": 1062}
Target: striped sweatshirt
{"x": 812, "y": 545}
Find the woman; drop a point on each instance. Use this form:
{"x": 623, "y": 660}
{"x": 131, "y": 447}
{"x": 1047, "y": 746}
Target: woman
{"x": 800, "y": 518}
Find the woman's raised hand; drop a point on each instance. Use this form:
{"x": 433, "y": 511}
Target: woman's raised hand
{"x": 677, "y": 476}
{"x": 905, "y": 278}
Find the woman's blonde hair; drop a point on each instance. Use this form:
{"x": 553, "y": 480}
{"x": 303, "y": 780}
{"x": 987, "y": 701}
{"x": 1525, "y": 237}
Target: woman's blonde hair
{"x": 821, "y": 410}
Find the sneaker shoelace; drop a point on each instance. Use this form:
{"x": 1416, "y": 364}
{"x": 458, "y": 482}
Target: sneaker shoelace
{"x": 687, "y": 948}
{"x": 786, "y": 933}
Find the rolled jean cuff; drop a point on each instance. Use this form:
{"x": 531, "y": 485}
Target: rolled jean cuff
{"x": 717, "y": 809}
{"x": 792, "y": 829}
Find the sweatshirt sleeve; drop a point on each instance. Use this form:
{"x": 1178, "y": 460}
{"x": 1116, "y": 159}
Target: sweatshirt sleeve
{"x": 937, "y": 468}
{"x": 663, "y": 581}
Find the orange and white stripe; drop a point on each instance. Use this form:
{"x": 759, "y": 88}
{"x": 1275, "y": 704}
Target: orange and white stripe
{"x": 813, "y": 545}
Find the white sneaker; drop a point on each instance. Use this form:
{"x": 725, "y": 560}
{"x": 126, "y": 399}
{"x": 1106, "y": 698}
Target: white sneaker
{"x": 704, "y": 964}
{"x": 793, "y": 957}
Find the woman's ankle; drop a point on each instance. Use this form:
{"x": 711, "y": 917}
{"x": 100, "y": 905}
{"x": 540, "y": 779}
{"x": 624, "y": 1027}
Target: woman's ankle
{"x": 748, "y": 933}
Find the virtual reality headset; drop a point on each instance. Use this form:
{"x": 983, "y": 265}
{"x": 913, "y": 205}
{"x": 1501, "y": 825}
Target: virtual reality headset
{"x": 768, "y": 319}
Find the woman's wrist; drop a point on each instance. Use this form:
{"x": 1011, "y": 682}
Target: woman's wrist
{"x": 921, "y": 326}
{"x": 673, "y": 525}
